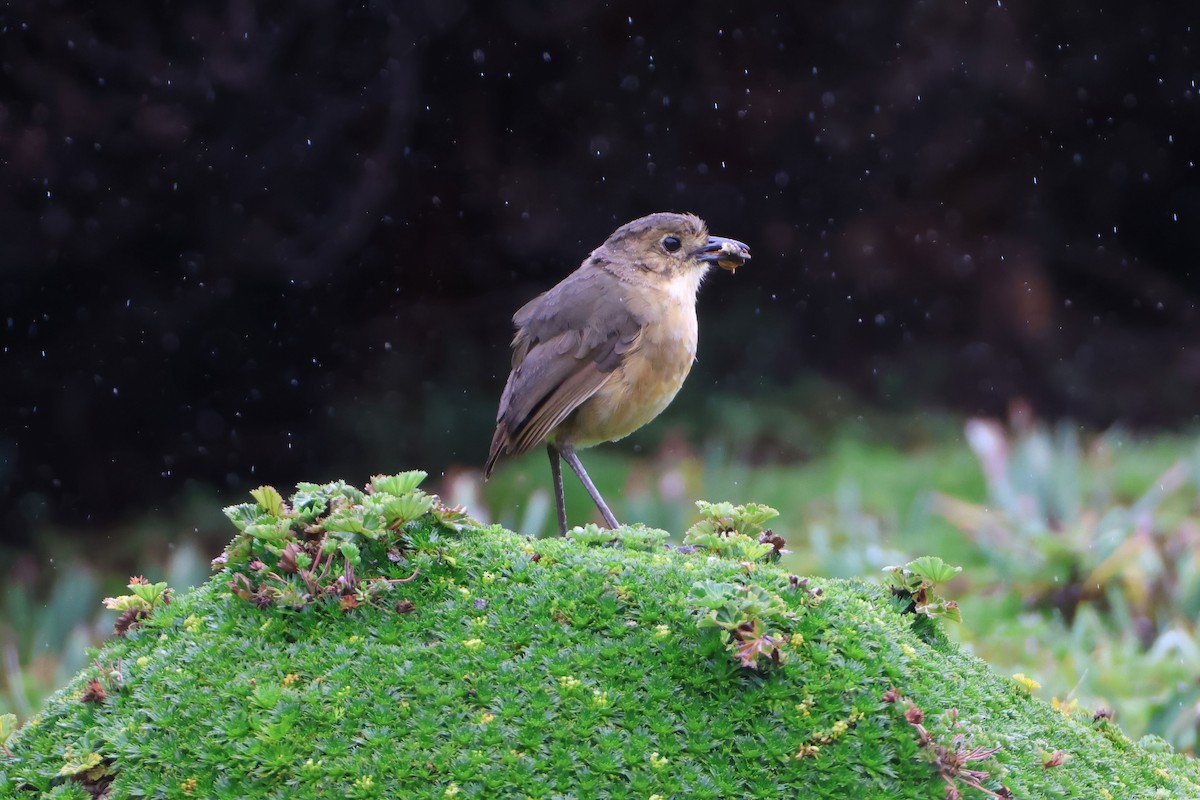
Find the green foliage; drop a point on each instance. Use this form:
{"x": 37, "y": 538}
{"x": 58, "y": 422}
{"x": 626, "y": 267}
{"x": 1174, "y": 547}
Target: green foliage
{"x": 143, "y": 598}
{"x": 515, "y": 667}
{"x": 633, "y": 537}
{"x": 49, "y": 628}
{"x": 735, "y": 531}
{"x": 750, "y": 621}
{"x": 912, "y": 585}
{"x": 398, "y": 485}
{"x": 1065, "y": 543}
{"x": 311, "y": 550}
{"x": 8, "y": 726}
{"x": 1108, "y": 563}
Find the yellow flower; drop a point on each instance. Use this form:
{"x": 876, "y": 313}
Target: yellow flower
{"x": 1065, "y": 707}
{"x": 1029, "y": 684}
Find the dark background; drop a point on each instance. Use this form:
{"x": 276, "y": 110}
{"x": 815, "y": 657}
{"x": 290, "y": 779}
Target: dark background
{"x": 252, "y": 242}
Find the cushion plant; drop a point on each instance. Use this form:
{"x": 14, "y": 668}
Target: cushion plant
{"x": 375, "y": 644}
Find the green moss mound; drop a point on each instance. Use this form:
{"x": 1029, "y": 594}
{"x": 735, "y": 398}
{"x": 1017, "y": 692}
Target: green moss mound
{"x": 511, "y": 667}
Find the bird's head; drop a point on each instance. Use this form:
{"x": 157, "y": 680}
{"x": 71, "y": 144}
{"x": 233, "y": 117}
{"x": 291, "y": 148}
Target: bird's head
{"x": 671, "y": 245}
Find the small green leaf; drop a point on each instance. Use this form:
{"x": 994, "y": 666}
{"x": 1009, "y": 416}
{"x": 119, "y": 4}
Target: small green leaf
{"x": 715, "y": 510}
{"x": 399, "y": 484}
{"x": 945, "y": 609}
{"x": 329, "y": 492}
{"x": 753, "y": 551}
{"x": 591, "y": 535}
{"x": 242, "y": 514}
{"x": 749, "y": 519}
{"x": 150, "y": 592}
{"x": 125, "y": 602}
{"x": 308, "y": 505}
{"x": 269, "y": 529}
{"x": 79, "y": 766}
{"x": 710, "y": 594}
{"x": 639, "y": 537}
{"x": 269, "y": 499}
{"x": 355, "y": 520}
{"x": 932, "y": 569}
{"x": 400, "y": 510}
{"x": 351, "y": 552}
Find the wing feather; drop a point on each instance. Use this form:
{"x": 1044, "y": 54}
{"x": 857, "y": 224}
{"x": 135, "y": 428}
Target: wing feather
{"x": 569, "y": 341}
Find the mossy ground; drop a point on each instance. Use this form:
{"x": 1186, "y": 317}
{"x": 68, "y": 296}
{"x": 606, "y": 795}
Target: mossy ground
{"x": 553, "y": 669}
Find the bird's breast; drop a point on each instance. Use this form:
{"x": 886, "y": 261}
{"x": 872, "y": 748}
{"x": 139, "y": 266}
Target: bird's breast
{"x": 647, "y": 379}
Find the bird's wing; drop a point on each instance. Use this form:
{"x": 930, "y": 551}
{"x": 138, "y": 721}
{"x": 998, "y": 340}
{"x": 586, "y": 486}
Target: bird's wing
{"x": 569, "y": 340}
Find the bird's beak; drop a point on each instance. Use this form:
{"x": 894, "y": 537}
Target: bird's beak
{"x": 725, "y": 253}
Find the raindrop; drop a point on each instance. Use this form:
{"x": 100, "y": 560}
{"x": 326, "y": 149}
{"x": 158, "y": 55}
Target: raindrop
{"x": 479, "y": 56}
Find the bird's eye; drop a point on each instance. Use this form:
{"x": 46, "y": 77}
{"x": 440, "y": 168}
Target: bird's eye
{"x": 672, "y": 243}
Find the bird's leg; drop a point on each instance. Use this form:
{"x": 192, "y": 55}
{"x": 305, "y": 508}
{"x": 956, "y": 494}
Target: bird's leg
{"x": 568, "y": 454}
{"x": 560, "y": 500}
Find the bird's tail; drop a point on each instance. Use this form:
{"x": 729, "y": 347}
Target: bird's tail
{"x": 499, "y": 445}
